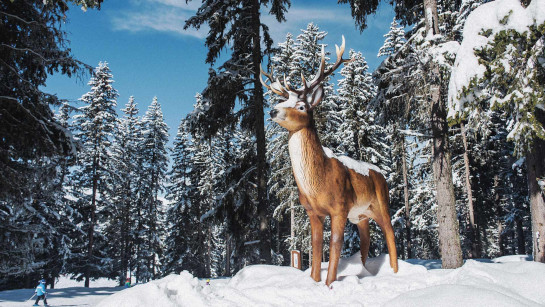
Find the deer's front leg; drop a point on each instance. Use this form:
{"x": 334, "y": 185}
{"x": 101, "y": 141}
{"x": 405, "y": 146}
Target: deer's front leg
{"x": 317, "y": 231}
{"x": 337, "y": 238}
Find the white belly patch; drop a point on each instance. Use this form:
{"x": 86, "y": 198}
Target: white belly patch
{"x": 358, "y": 213}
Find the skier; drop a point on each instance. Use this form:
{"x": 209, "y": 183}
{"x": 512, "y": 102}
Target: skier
{"x": 40, "y": 292}
{"x": 128, "y": 283}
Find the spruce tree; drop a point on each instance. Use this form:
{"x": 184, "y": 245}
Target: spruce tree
{"x": 118, "y": 227}
{"x": 178, "y": 194}
{"x": 32, "y": 47}
{"x": 241, "y": 31}
{"x": 395, "y": 39}
{"x": 154, "y": 169}
{"x": 95, "y": 126}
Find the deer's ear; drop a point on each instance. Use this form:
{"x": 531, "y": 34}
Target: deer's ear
{"x": 317, "y": 95}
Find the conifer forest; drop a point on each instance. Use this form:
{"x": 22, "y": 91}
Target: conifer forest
{"x": 104, "y": 188}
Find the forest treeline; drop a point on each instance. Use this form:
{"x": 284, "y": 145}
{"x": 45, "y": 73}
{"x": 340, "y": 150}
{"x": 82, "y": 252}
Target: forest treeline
{"x": 92, "y": 192}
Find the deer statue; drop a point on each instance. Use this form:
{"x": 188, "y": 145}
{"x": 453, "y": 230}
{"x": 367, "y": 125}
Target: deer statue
{"x": 338, "y": 187}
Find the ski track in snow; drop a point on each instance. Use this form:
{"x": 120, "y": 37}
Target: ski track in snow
{"x": 505, "y": 281}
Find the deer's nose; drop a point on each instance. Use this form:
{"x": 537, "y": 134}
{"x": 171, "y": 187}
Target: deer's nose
{"x": 273, "y": 113}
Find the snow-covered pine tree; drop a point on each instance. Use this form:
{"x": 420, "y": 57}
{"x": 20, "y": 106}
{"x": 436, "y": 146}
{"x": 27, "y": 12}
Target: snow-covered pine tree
{"x": 237, "y": 82}
{"x": 118, "y": 227}
{"x": 33, "y": 46}
{"x": 94, "y": 127}
{"x": 395, "y": 39}
{"x": 178, "y": 218}
{"x": 37, "y": 231}
{"x": 519, "y": 100}
{"x": 154, "y": 169}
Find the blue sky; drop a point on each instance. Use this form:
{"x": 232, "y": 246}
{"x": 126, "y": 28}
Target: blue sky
{"x": 150, "y": 54}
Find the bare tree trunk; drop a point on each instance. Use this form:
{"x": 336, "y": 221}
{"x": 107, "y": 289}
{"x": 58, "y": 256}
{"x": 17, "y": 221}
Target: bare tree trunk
{"x": 535, "y": 163}
{"x": 407, "y": 205}
{"x": 501, "y": 241}
{"x": 292, "y": 223}
{"x": 227, "y": 254}
{"x": 92, "y": 223}
{"x": 449, "y": 237}
{"x": 475, "y": 237}
{"x": 259, "y": 128}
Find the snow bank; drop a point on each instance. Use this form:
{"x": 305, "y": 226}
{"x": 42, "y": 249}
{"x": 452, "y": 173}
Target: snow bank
{"x": 487, "y": 16}
{"x": 474, "y": 284}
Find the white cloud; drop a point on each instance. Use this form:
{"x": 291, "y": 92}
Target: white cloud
{"x": 170, "y": 15}
{"x": 297, "y": 18}
{"x": 159, "y": 15}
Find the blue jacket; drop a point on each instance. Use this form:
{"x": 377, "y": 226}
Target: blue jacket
{"x": 40, "y": 289}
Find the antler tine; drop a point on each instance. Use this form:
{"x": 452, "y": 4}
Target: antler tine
{"x": 304, "y": 81}
{"x": 321, "y": 74}
{"x": 261, "y": 77}
{"x": 287, "y": 85}
{"x": 281, "y": 91}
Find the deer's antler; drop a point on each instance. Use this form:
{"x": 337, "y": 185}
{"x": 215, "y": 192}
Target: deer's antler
{"x": 275, "y": 86}
{"x": 308, "y": 87}
{"x": 322, "y": 74}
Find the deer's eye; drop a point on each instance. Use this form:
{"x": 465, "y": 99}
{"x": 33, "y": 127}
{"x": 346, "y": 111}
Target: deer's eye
{"x": 301, "y": 108}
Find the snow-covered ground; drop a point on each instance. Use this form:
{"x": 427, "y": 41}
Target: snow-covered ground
{"x": 505, "y": 281}
{"x": 67, "y": 292}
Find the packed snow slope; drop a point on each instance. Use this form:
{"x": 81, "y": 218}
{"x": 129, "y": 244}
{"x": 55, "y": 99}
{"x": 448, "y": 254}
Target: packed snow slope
{"x": 507, "y": 282}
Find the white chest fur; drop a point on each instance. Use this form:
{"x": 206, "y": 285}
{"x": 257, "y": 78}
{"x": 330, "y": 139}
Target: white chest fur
{"x": 300, "y": 169}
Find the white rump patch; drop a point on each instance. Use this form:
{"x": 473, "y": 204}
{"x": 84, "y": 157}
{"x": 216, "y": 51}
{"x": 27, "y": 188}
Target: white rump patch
{"x": 357, "y": 166}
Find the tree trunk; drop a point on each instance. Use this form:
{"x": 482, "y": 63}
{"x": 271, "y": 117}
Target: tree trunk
{"x": 406, "y": 196}
{"x": 259, "y": 129}
{"x": 448, "y": 230}
{"x": 432, "y": 18}
{"x": 501, "y": 241}
{"x": 474, "y": 231}
{"x": 449, "y": 237}
{"x": 92, "y": 223}
{"x": 535, "y": 163}
{"x": 227, "y": 254}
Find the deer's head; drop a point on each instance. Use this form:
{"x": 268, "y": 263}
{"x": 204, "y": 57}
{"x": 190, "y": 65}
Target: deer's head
{"x": 295, "y": 111}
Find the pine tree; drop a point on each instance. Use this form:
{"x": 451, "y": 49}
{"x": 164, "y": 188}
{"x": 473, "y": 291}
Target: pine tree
{"x": 95, "y": 126}
{"x": 118, "y": 227}
{"x": 519, "y": 100}
{"x": 154, "y": 169}
{"x": 360, "y": 136}
{"x": 238, "y": 80}
{"x": 178, "y": 219}
{"x": 32, "y": 47}
{"x": 395, "y": 39}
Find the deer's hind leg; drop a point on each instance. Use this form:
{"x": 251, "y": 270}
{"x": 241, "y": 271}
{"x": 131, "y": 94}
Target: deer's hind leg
{"x": 365, "y": 239}
{"x": 386, "y": 226}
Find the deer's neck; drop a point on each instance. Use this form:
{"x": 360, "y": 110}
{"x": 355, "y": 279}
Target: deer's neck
{"x": 307, "y": 159}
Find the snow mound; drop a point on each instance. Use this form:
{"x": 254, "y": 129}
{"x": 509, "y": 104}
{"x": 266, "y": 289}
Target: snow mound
{"x": 173, "y": 290}
{"x": 358, "y": 166}
{"x": 474, "y": 284}
{"x": 512, "y": 258}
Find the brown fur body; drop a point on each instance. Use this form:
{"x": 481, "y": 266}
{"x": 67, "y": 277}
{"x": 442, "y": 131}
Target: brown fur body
{"x": 328, "y": 188}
